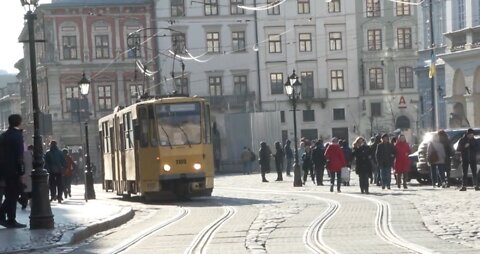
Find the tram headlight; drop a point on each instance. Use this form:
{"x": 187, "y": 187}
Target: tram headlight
{"x": 167, "y": 167}
{"x": 197, "y": 166}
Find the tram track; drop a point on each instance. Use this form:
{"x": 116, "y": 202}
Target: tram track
{"x": 128, "y": 244}
{"x": 201, "y": 241}
{"x": 384, "y": 228}
{"x": 313, "y": 234}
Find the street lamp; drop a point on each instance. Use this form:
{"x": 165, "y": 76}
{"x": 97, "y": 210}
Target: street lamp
{"x": 41, "y": 216}
{"x": 293, "y": 88}
{"x": 84, "y": 85}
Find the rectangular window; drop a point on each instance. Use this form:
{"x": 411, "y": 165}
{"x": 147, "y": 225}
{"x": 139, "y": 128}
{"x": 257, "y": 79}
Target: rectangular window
{"x": 136, "y": 91}
{"x": 307, "y": 84}
{"x": 128, "y": 130}
{"x": 133, "y": 43}
{"x": 461, "y": 14}
{"x": 340, "y": 133}
{"x": 240, "y": 85}
{"x": 404, "y": 38}
{"x": 238, "y": 41}
{"x": 276, "y": 83}
{"x": 403, "y": 8}
{"x": 373, "y": 8}
{"x": 375, "y": 109}
{"x": 334, "y": 6}
{"x": 374, "y": 37}
{"x": 213, "y": 42}
{"x": 336, "y": 80}
{"x": 338, "y": 114}
{"x": 309, "y": 115}
{"x": 69, "y": 47}
{"x": 282, "y": 116}
{"x": 376, "y": 78}
{"x": 211, "y": 7}
{"x": 275, "y": 10}
{"x": 405, "y": 77}
{"x": 71, "y": 96}
{"x": 303, "y": 6}
{"x": 234, "y": 10}
{"x": 335, "y": 41}
{"x": 177, "y": 8}
{"x": 178, "y": 43}
{"x": 284, "y": 136}
{"x": 274, "y": 43}
{"x": 104, "y": 97}
{"x": 102, "y": 47}
{"x": 215, "y": 85}
{"x": 305, "y": 42}
{"x": 309, "y": 134}
{"x": 181, "y": 85}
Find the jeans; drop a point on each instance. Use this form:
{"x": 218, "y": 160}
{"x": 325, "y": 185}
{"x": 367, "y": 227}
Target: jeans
{"x": 56, "y": 185}
{"x": 473, "y": 167}
{"x": 386, "y": 176}
{"x": 246, "y": 167}
{"x": 319, "y": 170}
{"x": 339, "y": 179}
{"x": 438, "y": 171}
{"x": 289, "y": 165}
{"x": 363, "y": 179}
{"x": 375, "y": 173}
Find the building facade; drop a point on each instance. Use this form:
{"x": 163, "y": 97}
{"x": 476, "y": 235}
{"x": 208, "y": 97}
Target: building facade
{"x": 87, "y": 37}
{"x": 462, "y": 68}
{"x": 386, "y": 37}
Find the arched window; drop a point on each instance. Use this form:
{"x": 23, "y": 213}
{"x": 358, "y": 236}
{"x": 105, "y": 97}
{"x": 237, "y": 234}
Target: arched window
{"x": 402, "y": 123}
{"x": 101, "y": 40}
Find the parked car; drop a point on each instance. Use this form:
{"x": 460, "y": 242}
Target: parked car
{"x": 457, "y": 170}
{"x": 423, "y": 169}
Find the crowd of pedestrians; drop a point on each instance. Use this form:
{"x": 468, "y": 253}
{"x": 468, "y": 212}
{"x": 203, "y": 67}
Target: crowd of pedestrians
{"x": 16, "y": 165}
{"x": 373, "y": 162}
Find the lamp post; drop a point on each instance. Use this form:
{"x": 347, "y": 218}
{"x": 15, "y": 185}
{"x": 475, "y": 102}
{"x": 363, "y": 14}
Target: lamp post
{"x": 293, "y": 88}
{"x": 41, "y": 216}
{"x": 84, "y": 85}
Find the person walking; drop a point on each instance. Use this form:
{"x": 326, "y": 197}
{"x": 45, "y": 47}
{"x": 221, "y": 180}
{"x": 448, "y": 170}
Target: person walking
{"x": 264, "y": 155}
{"x": 55, "y": 165}
{"x": 363, "y": 167}
{"x": 246, "y": 157}
{"x": 436, "y": 158}
{"x": 307, "y": 164}
{"x": 67, "y": 174}
{"x": 335, "y": 163}
{"x": 279, "y": 155}
{"x": 468, "y": 150}
{"x": 289, "y": 156}
{"x": 375, "y": 169}
{"x": 11, "y": 169}
{"x": 449, "y": 152}
{"x": 318, "y": 157}
{"x": 26, "y": 194}
{"x": 385, "y": 155}
{"x": 402, "y": 162}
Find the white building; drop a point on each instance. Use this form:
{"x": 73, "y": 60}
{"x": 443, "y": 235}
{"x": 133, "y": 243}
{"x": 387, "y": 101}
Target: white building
{"x": 462, "y": 68}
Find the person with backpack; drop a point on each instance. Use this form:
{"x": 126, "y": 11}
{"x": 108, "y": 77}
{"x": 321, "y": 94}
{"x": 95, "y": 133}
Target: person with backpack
{"x": 55, "y": 164}
{"x": 319, "y": 161}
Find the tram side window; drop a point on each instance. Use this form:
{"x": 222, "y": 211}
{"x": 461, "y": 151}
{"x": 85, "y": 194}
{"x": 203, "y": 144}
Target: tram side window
{"x": 105, "y": 138}
{"x": 152, "y": 127}
{"x": 128, "y": 130}
{"x": 144, "y": 125}
{"x": 208, "y": 130}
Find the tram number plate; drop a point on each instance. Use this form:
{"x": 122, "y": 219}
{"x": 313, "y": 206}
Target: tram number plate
{"x": 181, "y": 162}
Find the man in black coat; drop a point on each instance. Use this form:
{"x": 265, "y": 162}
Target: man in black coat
{"x": 11, "y": 167}
{"x": 468, "y": 149}
{"x": 55, "y": 164}
{"x": 318, "y": 157}
{"x": 385, "y": 156}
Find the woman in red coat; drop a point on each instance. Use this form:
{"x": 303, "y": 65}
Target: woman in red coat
{"x": 335, "y": 163}
{"x": 402, "y": 162}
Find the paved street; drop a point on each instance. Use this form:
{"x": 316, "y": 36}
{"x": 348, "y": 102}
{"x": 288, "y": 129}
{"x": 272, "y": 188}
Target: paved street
{"x": 247, "y": 216}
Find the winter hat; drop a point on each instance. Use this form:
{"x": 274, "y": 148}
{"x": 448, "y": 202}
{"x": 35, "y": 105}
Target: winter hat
{"x": 470, "y": 131}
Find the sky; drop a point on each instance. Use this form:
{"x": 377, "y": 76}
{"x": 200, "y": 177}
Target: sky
{"x": 11, "y": 17}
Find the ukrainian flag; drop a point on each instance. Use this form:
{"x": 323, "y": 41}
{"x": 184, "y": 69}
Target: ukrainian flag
{"x": 432, "y": 69}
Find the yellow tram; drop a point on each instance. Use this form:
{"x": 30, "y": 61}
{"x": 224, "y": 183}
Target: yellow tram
{"x": 158, "y": 148}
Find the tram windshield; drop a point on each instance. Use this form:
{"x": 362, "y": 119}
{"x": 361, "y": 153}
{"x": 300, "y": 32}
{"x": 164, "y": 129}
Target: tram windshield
{"x": 178, "y": 123}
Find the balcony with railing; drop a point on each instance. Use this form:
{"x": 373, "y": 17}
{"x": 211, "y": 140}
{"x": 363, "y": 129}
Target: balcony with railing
{"x": 465, "y": 39}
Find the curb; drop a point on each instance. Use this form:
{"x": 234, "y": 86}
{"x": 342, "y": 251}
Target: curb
{"x": 84, "y": 232}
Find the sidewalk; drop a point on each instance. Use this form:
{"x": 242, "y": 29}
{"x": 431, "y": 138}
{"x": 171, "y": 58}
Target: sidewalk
{"x": 74, "y": 219}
